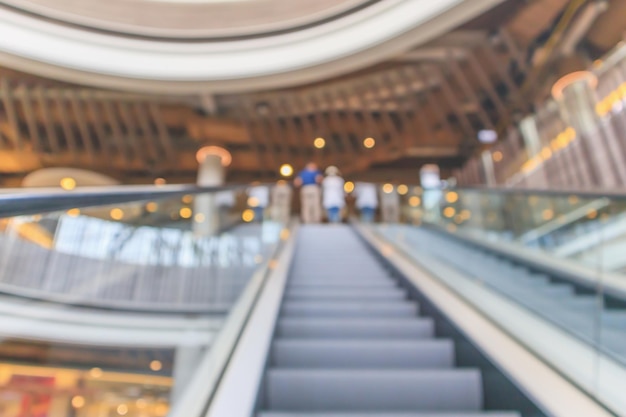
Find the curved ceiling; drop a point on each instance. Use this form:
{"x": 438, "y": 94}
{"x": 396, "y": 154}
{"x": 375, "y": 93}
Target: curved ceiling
{"x": 190, "y": 18}
{"x": 331, "y": 47}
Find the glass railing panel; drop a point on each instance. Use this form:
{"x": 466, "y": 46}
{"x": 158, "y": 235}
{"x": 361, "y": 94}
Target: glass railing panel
{"x": 122, "y": 299}
{"x": 557, "y": 256}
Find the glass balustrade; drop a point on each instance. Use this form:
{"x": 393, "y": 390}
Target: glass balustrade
{"x": 108, "y": 309}
{"x": 558, "y": 257}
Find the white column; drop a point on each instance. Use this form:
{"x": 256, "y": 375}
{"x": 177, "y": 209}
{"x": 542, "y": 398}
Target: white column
{"x": 210, "y": 173}
{"x": 186, "y": 360}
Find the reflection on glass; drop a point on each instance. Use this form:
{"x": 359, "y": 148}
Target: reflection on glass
{"x": 558, "y": 256}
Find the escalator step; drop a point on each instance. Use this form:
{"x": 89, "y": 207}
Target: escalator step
{"x": 400, "y": 328}
{"x": 337, "y": 354}
{"x": 391, "y": 414}
{"x": 374, "y": 390}
{"x": 346, "y": 293}
{"x": 349, "y": 309}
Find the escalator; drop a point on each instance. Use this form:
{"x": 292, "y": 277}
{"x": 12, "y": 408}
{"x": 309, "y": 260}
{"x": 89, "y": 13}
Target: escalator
{"x": 350, "y": 341}
{"x": 570, "y": 306}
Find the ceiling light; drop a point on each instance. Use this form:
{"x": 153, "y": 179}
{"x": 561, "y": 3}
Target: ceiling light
{"x": 225, "y": 157}
{"x": 286, "y": 170}
{"x": 319, "y": 143}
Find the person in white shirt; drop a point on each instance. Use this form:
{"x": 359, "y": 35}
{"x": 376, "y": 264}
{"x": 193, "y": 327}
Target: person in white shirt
{"x": 258, "y": 199}
{"x": 333, "y": 194}
{"x": 366, "y": 200}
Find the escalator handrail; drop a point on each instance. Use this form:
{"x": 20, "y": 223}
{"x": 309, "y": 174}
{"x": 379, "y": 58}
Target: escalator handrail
{"x": 615, "y": 193}
{"x": 27, "y": 201}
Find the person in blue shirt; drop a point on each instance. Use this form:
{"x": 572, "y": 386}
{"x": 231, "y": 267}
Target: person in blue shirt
{"x": 309, "y": 180}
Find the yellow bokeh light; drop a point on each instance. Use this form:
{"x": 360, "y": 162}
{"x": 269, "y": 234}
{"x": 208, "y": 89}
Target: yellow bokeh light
{"x": 546, "y": 153}
{"x": 319, "y": 143}
{"x": 403, "y": 189}
{"x": 369, "y": 143}
{"x": 449, "y": 212}
{"x": 284, "y": 234}
{"x": 185, "y": 213}
{"x": 247, "y": 215}
{"x": 466, "y": 214}
{"x": 253, "y": 202}
{"x": 547, "y": 214}
{"x": 156, "y": 365}
{"x": 95, "y": 372}
{"x": 68, "y": 183}
{"x": 151, "y": 207}
{"x": 160, "y": 181}
{"x": 348, "y": 187}
{"x": 161, "y": 410}
{"x": 415, "y": 201}
{"x": 497, "y": 156}
{"x": 116, "y": 214}
{"x": 187, "y": 199}
{"x": 122, "y": 409}
{"x": 286, "y": 170}
{"x": 199, "y": 218}
{"x": 388, "y": 188}
{"x": 573, "y": 199}
{"x": 452, "y": 197}
{"x": 78, "y": 401}
{"x": 592, "y": 214}
{"x": 73, "y": 212}
{"x": 141, "y": 403}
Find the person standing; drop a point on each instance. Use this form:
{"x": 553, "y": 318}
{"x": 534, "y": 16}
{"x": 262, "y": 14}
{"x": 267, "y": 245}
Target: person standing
{"x": 366, "y": 200}
{"x": 308, "y": 180}
{"x": 281, "y": 202}
{"x": 333, "y": 194}
{"x": 390, "y": 204}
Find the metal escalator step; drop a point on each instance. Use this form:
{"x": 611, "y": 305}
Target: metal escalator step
{"x": 374, "y": 390}
{"x": 381, "y": 284}
{"x": 391, "y": 414}
{"x": 343, "y": 282}
{"x": 363, "y": 354}
{"x": 340, "y": 279}
{"x": 355, "y": 296}
{"x": 329, "y": 328}
{"x": 346, "y": 293}
{"x": 349, "y": 309}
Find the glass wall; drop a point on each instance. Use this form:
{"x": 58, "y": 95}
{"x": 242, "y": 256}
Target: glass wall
{"x": 549, "y": 267}
{"x": 108, "y": 310}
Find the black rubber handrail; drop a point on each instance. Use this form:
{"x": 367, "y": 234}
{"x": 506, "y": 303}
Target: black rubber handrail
{"x": 25, "y": 201}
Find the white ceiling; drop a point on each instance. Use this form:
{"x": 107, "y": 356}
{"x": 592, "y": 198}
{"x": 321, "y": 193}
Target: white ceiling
{"x": 385, "y": 29}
